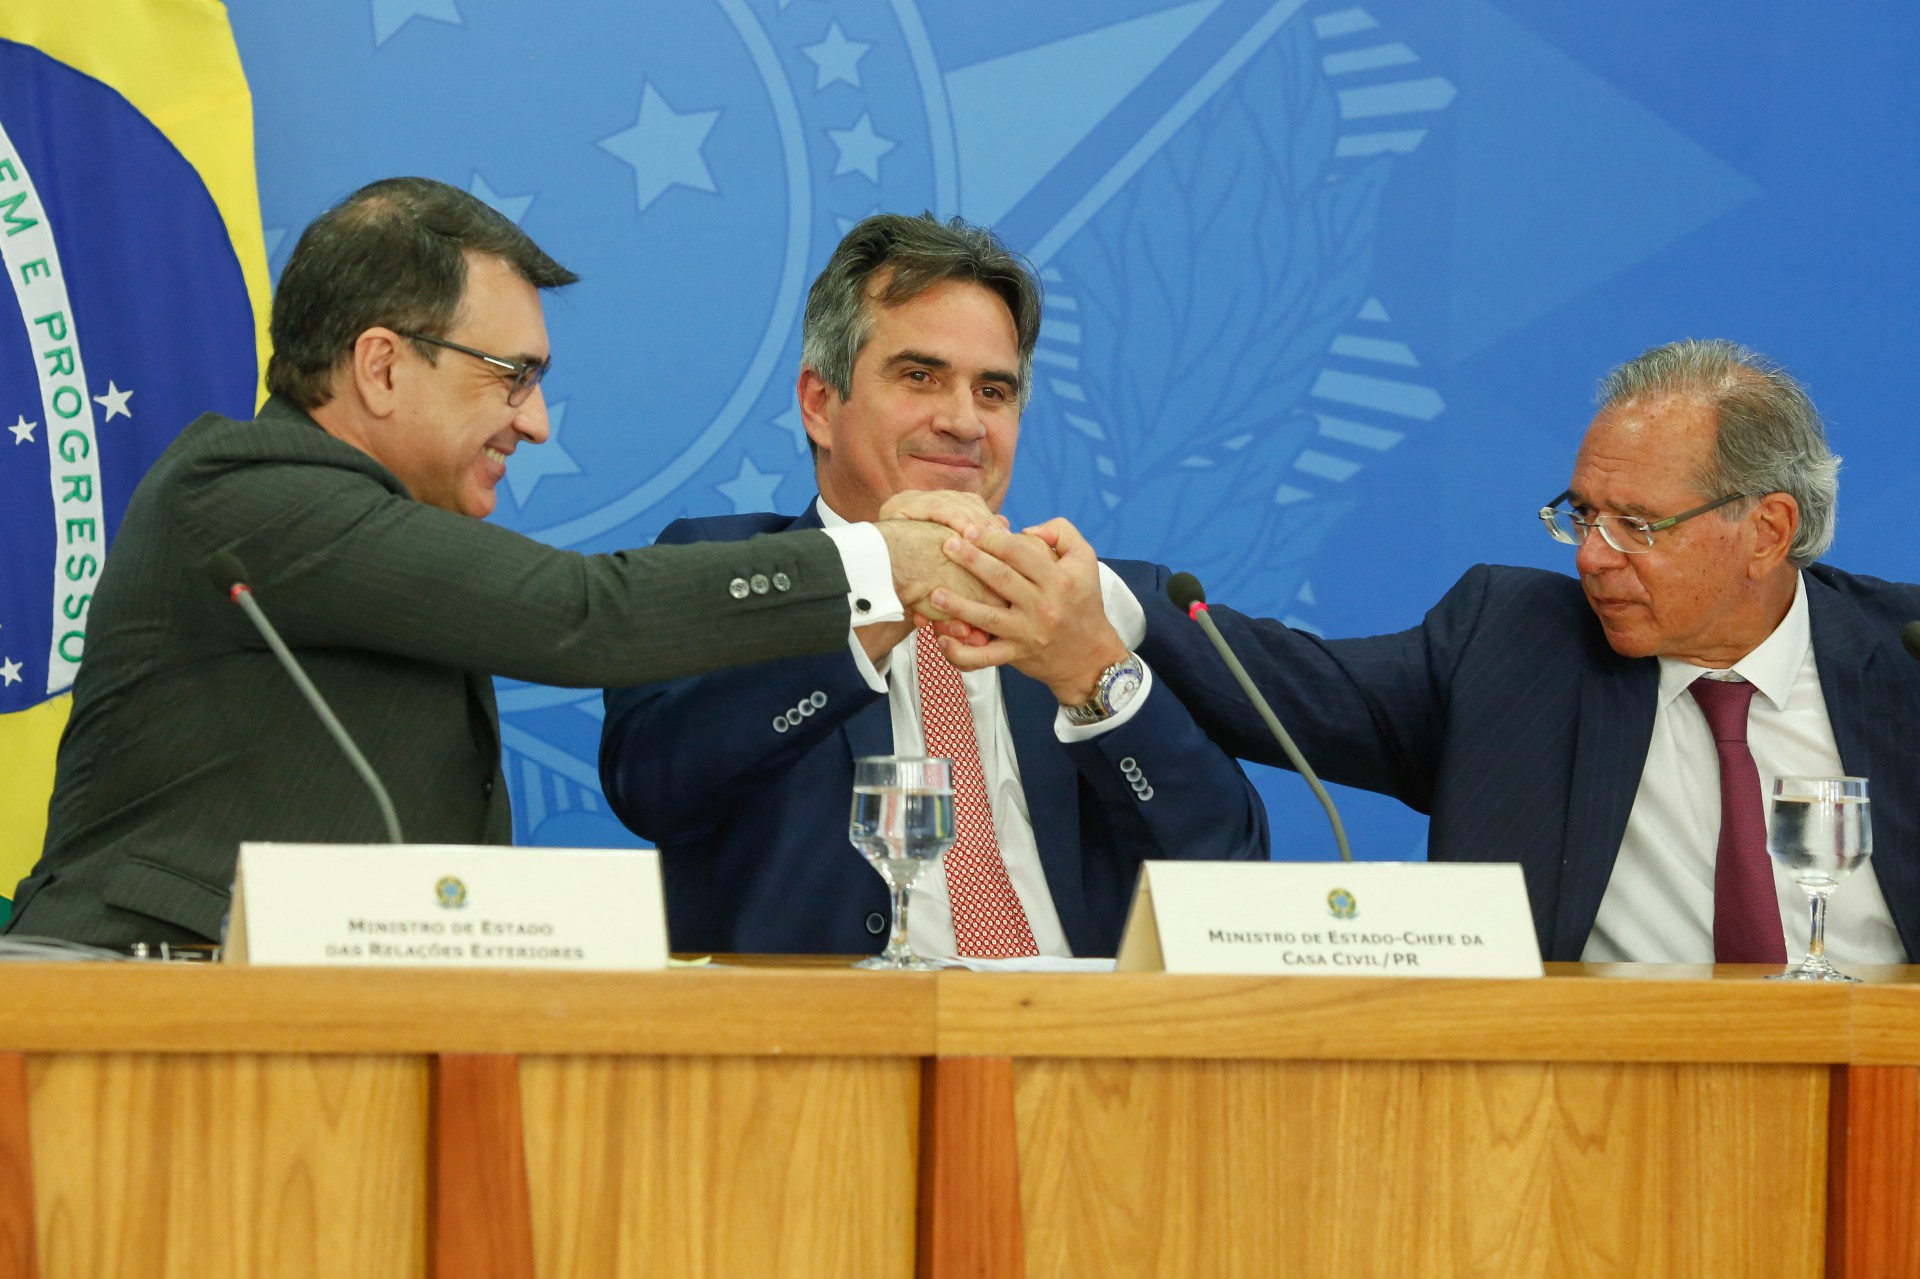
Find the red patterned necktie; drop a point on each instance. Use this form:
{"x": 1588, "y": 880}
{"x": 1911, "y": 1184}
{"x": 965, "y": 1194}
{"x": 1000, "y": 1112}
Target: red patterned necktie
{"x": 1746, "y": 913}
{"x": 988, "y": 920}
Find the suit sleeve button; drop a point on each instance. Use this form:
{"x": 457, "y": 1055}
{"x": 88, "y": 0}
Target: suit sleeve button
{"x": 781, "y": 581}
{"x": 738, "y": 588}
{"x": 876, "y": 922}
{"x": 759, "y": 584}
{"x": 779, "y": 723}
{"x": 819, "y": 699}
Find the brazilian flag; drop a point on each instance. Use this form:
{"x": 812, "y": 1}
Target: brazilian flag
{"x": 135, "y": 299}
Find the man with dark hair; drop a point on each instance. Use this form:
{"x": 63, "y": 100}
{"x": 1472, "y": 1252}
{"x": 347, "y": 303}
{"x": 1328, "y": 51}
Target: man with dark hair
{"x": 410, "y": 348}
{"x": 1070, "y": 766}
{"x": 1616, "y": 735}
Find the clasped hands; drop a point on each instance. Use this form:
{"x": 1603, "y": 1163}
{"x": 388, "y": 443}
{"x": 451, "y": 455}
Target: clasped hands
{"x": 1029, "y": 599}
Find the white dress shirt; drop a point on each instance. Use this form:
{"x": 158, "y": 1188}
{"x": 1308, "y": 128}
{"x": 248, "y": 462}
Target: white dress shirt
{"x": 930, "y": 916}
{"x": 1658, "y": 906}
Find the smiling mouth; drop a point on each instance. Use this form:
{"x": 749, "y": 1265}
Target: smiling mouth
{"x": 947, "y": 459}
{"x": 495, "y": 454}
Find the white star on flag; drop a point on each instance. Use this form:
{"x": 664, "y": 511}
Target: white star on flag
{"x": 23, "y": 430}
{"x": 10, "y": 672}
{"x": 115, "y": 401}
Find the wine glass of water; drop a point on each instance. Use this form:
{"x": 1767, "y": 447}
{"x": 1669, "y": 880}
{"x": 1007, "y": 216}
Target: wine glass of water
{"x": 902, "y": 821}
{"x": 1821, "y": 832}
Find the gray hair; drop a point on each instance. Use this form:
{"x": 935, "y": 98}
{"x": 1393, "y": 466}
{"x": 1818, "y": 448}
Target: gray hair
{"x": 1770, "y": 437}
{"x": 916, "y": 254}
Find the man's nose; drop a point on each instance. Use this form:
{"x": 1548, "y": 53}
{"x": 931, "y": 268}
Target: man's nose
{"x": 1596, "y": 554}
{"x": 531, "y": 420}
{"x": 959, "y": 417}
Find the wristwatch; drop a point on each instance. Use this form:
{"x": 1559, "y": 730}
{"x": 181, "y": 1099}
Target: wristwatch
{"x": 1117, "y": 686}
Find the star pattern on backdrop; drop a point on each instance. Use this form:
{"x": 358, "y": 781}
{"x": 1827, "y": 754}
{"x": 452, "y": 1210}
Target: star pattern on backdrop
{"x": 23, "y": 430}
{"x": 511, "y": 207}
{"x": 836, "y": 59}
{"x": 752, "y": 489}
{"x": 390, "y": 15}
{"x": 790, "y": 421}
{"x": 664, "y": 148}
{"x": 847, "y": 224}
{"x": 531, "y": 463}
{"x": 114, "y": 401}
{"x": 860, "y": 148}
{"x": 10, "y": 672}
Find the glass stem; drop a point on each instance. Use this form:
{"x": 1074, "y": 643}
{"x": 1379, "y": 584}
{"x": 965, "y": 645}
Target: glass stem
{"x": 1817, "y": 925}
{"x": 897, "y": 941}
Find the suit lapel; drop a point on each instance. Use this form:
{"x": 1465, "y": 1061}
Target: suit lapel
{"x": 1867, "y": 707}
{"x": 1052, "y": 787}
{"x": 1617, "y": 702}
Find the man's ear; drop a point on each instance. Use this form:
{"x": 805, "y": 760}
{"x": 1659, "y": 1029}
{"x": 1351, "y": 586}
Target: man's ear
{"x": 1776, "y": 518}
{"x": 376, "y": 370}
{"x": 815, "y": 395}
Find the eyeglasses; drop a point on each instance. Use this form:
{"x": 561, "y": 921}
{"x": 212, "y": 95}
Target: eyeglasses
{"x": 526, "y": 374}
{"x": 1628, "y": 534}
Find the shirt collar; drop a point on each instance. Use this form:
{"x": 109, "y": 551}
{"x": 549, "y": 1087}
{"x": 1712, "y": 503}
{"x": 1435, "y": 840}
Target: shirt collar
{"x": 829, "y": 518}
{"x": 1771, "y": 668}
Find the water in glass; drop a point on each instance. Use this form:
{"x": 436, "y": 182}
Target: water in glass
{"x": 900, "y": 831}
{"x": 1821, "y": 831}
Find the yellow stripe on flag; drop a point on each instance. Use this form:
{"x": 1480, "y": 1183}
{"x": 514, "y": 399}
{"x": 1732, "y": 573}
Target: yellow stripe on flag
{"x": 27, "y": 742}
{"x": 176, "y": 62}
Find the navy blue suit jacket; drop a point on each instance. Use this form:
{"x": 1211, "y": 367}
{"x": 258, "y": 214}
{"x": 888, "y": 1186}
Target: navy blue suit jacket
{"x": 1507, "y": 717}
{"x": 749, "y": 807}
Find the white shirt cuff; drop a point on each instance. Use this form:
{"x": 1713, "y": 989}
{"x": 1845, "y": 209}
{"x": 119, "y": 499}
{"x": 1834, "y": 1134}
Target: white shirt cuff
{"x": 1067, "y": 731}
{"x": 870, "y": 595}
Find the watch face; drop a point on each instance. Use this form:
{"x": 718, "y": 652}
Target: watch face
{"x": 1122, "y": 682}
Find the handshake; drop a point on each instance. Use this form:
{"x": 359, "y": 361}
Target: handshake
{"x": 1030, "y": 599}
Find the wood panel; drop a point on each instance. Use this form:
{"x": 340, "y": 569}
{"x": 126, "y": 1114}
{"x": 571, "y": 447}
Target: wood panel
{"x": 213, "y": 1008}
{"x": 240, "y": 1166}
{"x": 1873, "y": 1173}
{"x": 1157, "y": 1015}
{"x": 969, "y": 1171}
{"x": 19, "y": 1251}
{"x": 479, "y": 1215}
{"x": 678, "y": 1168}
{"x": 1225, "y": 1169}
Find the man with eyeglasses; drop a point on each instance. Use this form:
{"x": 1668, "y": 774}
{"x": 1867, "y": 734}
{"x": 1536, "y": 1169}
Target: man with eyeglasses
{"x": 409, "y": 348}
{"x": 1615, "y": 734}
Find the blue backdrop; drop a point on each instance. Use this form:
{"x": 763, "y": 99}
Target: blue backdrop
{"x": 1329, "y": 284}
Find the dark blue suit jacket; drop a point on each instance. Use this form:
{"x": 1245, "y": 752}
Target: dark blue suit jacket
{"x": 1509, "y": 719}
{"x": 750, "y": 810}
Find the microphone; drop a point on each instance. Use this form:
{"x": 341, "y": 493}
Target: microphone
{"x": 229, "y": 577}
{"x": 1185, "y": 591}
{"x": 1910, "y": 638}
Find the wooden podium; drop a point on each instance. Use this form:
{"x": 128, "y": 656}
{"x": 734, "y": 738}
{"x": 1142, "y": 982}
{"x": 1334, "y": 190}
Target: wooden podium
{"x": 808, "y": 1120}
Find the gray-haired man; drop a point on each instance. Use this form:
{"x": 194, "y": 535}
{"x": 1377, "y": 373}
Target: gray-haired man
{"x": 1615, "y": 734}
{"x": 1070, "y": 766}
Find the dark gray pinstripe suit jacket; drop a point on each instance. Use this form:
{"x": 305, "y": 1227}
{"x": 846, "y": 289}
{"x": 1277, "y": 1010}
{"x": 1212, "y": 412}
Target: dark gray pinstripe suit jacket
{"x": 1506, "y": 716}
{"x": 186, "y": 737}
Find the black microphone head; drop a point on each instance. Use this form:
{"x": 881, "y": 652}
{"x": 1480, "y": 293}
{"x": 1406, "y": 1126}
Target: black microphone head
{"x": 1910, "y": 636}
{"x": 1185, "y": 591}
{"x": 226, "y": 572}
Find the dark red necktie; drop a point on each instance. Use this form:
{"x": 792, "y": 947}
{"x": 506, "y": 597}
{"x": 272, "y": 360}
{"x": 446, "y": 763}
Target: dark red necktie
{"x": 1746, "y": 913}
{"x": 988, "y": 919}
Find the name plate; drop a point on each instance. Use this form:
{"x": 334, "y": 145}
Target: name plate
{"x": 447, "y": 906}
{"x": 1332, "y": 919}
